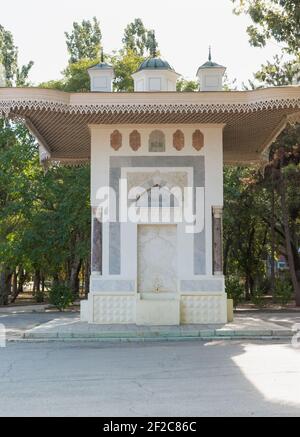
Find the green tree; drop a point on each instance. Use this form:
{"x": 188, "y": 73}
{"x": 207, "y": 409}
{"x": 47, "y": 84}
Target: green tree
{"x": 278, "y": 72}
{"x": 76, "y": 78}
{"x": 277, "y": 19}
{"x": 280, "y": 20}
{"x": 83, "y": 45}
{"x": 125, "y": 63}
{"x": 185, "y": 85}
{"x": 84, "y": 40}
{"x": 12, "y": 139}
{"x": 245, "y": 232}
{"x": 139, "y": 40}
{"x": 138, "y": 44}
{"x": 44, "y": 217}
{"x": 13, "y": 74}
{"x": 152, "y": 44}
{"x": 62, "y": 214}
{"x": 17, "y": 170}
{"x": 8, "y": 54}
{"x": 283, "y": 171}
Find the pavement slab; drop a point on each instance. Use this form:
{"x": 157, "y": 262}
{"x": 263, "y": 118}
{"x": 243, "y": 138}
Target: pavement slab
{"x": 64, "y": 326}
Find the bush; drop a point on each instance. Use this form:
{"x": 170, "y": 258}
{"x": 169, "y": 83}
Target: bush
{"x": 283, "y": 291}
{"x": 258, "y": 297}
{"x": 39, "y": 297}
{"x": 264, "y": 285}
{"x": 60, "y": 296}
{"x": 234, "y": 290}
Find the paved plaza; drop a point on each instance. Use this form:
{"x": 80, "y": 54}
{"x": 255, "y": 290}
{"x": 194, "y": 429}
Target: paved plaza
{"x": 49, "y": 325}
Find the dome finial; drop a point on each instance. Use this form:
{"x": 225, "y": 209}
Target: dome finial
{"x": 209, "y": 53}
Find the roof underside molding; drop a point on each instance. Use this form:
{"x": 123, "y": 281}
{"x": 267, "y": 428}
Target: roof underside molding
{"x": 60, "y": 120}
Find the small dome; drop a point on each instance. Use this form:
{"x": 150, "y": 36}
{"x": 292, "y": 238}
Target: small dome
{"x": 101, "y": 66}
{"x": 155, "y": 64}
{"x": 210, "y": 64}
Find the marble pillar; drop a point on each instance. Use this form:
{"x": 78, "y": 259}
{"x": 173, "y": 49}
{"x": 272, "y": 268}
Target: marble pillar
{"x": 217, "y": 213}
{"x": 96, "y": 244}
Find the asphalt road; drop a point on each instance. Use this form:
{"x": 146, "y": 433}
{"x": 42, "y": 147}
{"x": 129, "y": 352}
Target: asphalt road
{"x": 149, "y": 379}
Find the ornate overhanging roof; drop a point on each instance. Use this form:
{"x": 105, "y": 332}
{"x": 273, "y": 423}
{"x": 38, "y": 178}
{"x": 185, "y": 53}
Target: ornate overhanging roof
{"x": 60, "y": 121}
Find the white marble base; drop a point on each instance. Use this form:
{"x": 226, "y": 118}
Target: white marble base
{"x": 203, "y": 309}
{"x": 151, "y": 309}
{"x": 154, "y": 310}
{"x": 114, "y": 309}
{"x": 85, "y": 315}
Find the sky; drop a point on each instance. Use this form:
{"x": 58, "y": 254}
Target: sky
{"x": 184, "y": 30}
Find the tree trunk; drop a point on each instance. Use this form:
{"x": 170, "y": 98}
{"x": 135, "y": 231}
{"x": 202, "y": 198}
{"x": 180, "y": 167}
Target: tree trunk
{"x": 39, "y": 295}
{"x": 15, "y": 288}
{"x": 43, "y": 284}
{"x": 20, "y": 284}
{"x": 247, "y": 288}
{"x": 22, "y": 279}
{"x": 251, "y": 285}
{"x": 295, "y": 245}
{"x": 14, "y": 283}
{"x": 87, "y": 278}
{"x": 285, "y": 217}
{"x": 37, "y": 281}
{"x": 74, "y": 278}
{"x": 5, "y": 285}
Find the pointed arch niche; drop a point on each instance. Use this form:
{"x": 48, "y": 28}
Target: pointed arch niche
{"x": 157, "y": 141}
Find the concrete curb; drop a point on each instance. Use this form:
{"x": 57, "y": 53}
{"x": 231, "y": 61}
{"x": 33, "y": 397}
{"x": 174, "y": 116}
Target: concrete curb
{"x": 34, "y": 309}
{"x": 26, "y": 309}
{"x": 132, "y": 336}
